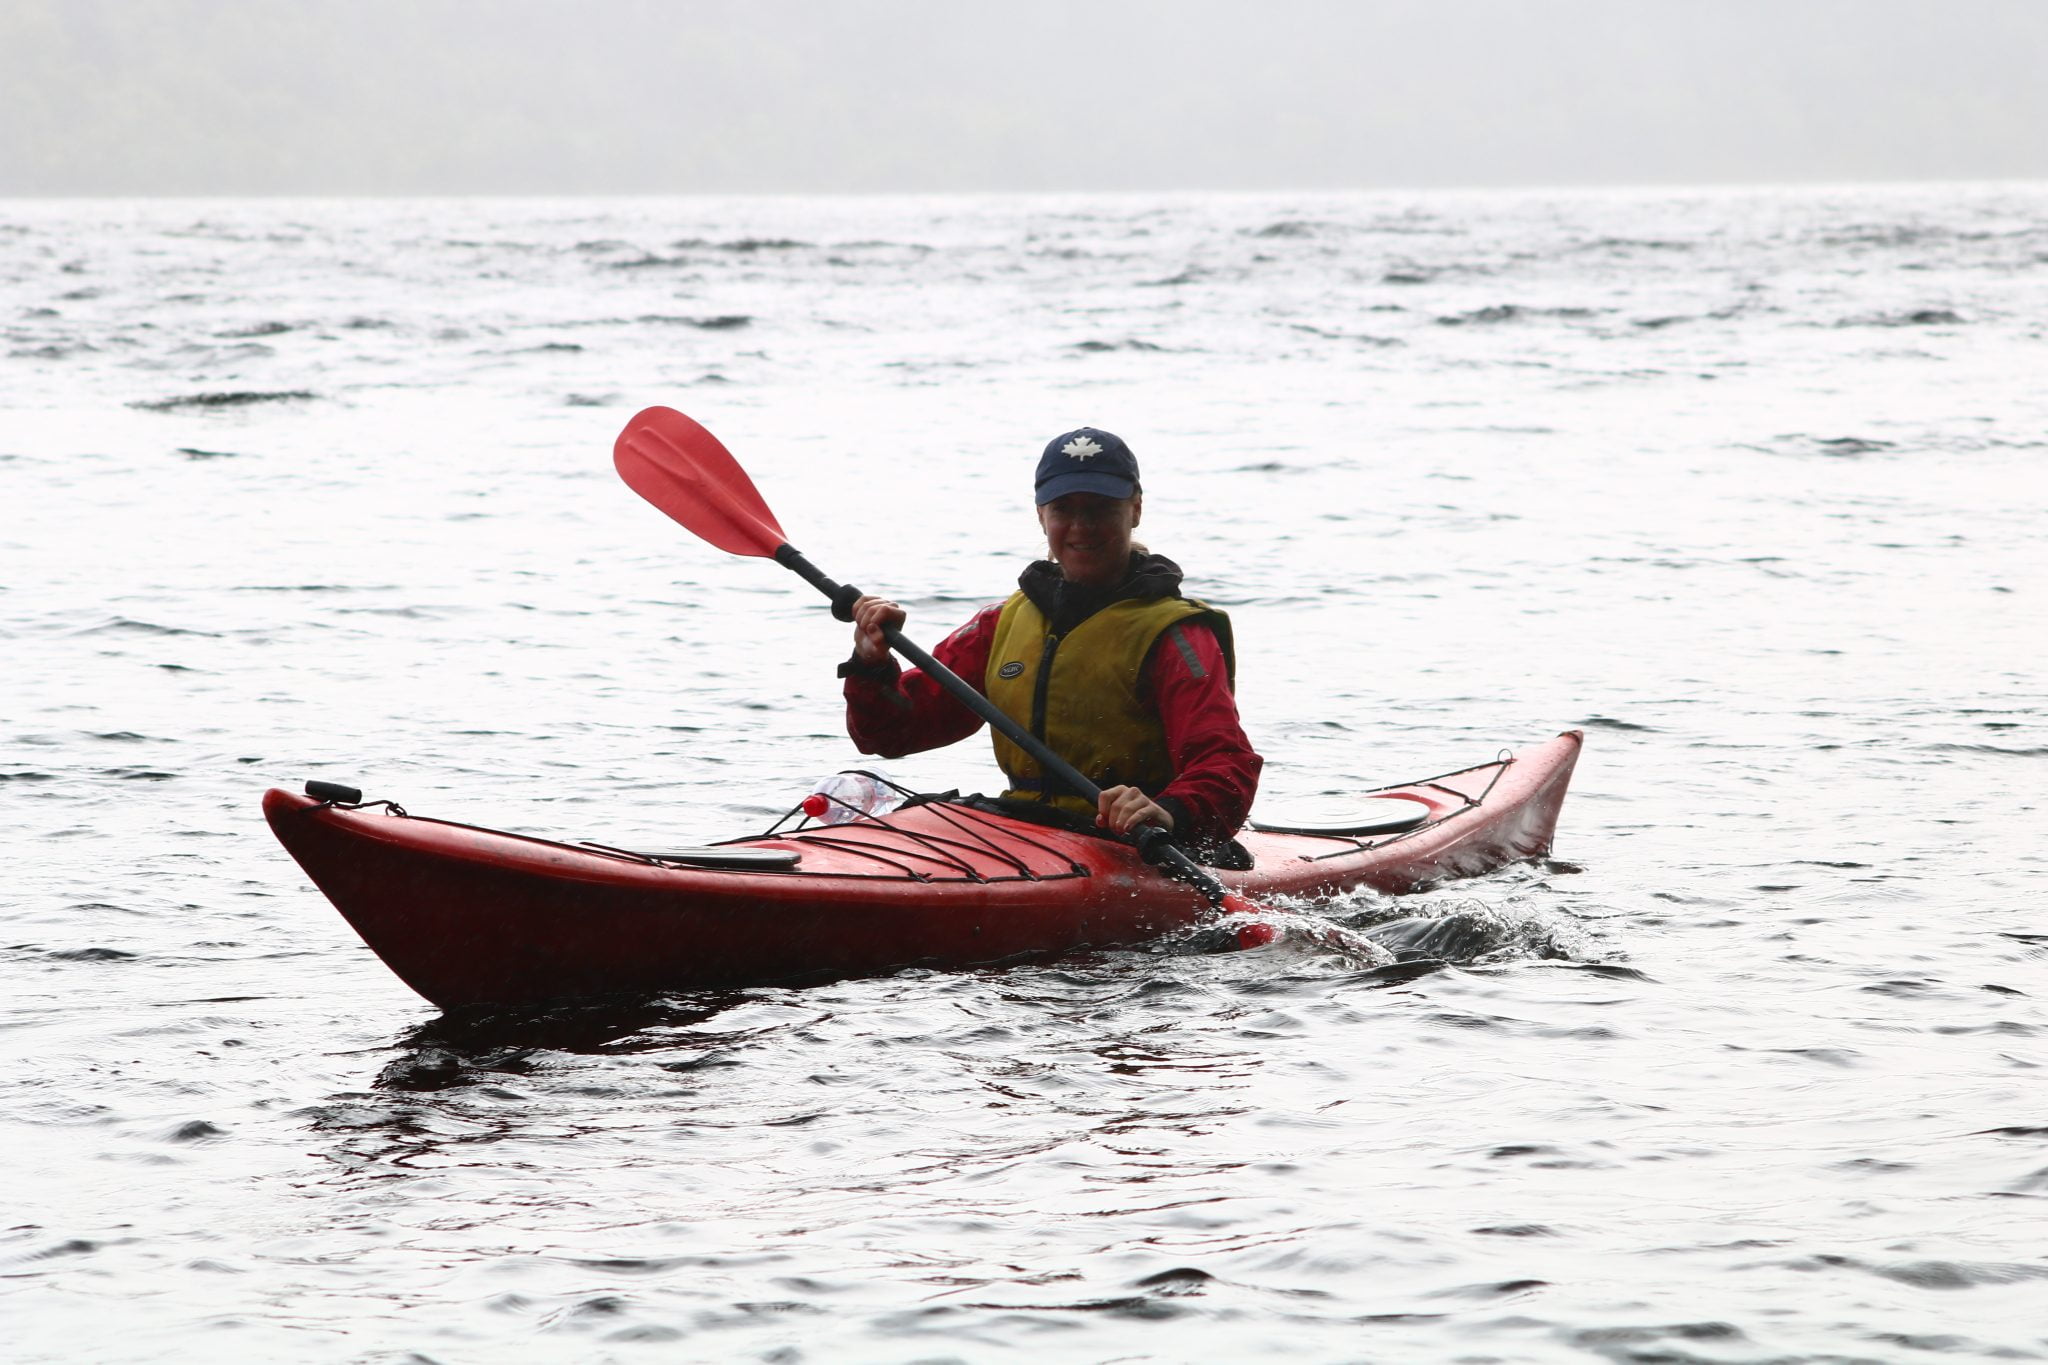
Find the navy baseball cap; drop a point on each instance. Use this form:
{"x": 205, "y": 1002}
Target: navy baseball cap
{"x": 1086, "y": 461}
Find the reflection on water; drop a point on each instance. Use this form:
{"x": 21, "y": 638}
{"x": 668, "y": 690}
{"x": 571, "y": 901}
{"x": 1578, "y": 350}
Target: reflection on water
{"x": 439, "y": 1052}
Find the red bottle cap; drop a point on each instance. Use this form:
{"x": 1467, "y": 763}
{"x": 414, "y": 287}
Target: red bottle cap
{"x": 815, "y": 805}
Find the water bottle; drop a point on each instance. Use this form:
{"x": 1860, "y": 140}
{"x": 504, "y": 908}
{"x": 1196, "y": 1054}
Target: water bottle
{"x": 850, "y": 796}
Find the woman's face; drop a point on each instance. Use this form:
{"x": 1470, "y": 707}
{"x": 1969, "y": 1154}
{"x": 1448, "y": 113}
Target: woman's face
{"x": 1089, "y": 535}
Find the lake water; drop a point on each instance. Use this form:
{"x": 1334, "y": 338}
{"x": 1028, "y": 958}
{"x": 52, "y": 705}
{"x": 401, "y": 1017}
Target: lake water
{"x": 1748, "y": 484}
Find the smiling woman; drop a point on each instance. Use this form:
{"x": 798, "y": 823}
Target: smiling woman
{"x": 1098, "y": 654}
{"x": 1089, "y": 535}
{"x": 1087, "y": 509}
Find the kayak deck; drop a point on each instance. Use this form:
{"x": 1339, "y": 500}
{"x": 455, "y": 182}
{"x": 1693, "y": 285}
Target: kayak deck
{"x": 472, "y": 916}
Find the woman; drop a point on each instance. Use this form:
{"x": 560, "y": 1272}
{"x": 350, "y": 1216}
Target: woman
{"x": 1096, "y": 653}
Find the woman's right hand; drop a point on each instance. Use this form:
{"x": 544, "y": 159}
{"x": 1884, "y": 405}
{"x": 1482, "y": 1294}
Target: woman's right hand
{"x": 871, "y": 616}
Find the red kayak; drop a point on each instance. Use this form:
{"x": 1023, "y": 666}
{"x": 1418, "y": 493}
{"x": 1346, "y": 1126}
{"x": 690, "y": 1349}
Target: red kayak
{"x": 469, "y": 916}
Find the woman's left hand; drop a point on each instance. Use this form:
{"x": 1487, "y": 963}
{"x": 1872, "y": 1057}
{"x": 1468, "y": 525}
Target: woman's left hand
{"x": 1123, "y": 809}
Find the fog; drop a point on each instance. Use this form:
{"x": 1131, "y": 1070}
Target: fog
{"x": 634, "y": 96}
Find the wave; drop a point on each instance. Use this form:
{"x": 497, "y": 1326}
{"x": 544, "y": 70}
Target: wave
{"x": 1469, "y": 931}
{"x": 123, "y": 625}
{"x": 1636, "y": 244}
{"x": 195, "y": 355}
{"x": 89, "y": 955}
{"x": 1194, "y": 274}
{"x": 1289, "y": 227}
{"x": 1919, "y": 317}
{"x": 53, "y": 351}
{"x": 1359, "y": 338}
{"x": 713, "y": 322}
{"x": 1834, "y": 447}
{"x": 1510, "y": 312}
{"x": 882, "y": 244}
{"x": 742, "y": 245}
{"x": 306, "y": 587}
{"x": 1129, "y": 344}
{"x": 233, "y": 399}
{"x": 1921, "y": 234}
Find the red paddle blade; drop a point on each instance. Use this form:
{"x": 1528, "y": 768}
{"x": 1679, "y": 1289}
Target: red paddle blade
{"x": 1253, "y": 933}
{"x": 1257, "y": 934}
{"x": 681, "y": 468}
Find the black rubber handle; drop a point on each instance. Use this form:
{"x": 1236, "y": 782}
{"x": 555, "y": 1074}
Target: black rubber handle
{"x": 843, "y": 595}
{"x": 334, "y": 793}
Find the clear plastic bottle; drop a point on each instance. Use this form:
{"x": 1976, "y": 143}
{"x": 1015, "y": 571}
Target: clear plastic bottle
{"x": 850, "y": 796}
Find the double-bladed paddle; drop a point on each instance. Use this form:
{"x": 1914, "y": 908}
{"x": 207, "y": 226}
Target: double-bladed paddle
{"x": 686, "y": 472}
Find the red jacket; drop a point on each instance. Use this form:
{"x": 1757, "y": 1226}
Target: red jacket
{"x": 891, "y": 712}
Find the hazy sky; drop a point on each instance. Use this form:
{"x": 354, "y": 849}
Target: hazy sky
{"x": 645, "y": 96}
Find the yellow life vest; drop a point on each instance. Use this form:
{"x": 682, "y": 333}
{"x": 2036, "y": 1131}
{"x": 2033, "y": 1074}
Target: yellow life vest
{"x": 1080, "y": 692}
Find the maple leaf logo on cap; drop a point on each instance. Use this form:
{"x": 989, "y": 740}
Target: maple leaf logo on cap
{"x": 1081, "y": 447}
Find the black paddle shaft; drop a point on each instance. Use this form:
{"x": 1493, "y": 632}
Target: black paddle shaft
{"x": 1154, "y": 843}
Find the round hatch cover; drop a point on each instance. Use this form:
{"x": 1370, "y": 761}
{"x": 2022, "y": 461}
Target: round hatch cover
{"x": 1344, "y": 815}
